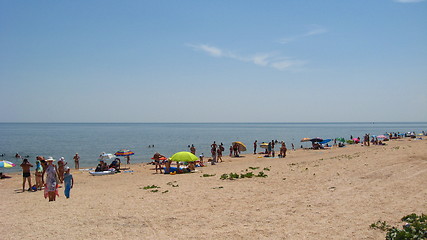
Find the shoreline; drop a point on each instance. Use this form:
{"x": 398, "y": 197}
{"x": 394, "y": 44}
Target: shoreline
{"x": 311, "y": 194}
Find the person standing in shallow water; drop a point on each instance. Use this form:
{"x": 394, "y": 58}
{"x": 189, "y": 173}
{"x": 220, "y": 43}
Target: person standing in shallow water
{"x": 76, "y": 161}
{"x": 255, "y": 145}
{"x": 213, "y": 152}
{"x": 26, "y": 174}
{"x": 193, "y": 149}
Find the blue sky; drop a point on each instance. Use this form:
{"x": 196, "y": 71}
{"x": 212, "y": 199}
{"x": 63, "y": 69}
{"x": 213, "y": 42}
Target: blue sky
{"x": 213, "y": 61}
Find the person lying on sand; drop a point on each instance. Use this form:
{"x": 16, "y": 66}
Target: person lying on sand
{"x": 2, "y": 176}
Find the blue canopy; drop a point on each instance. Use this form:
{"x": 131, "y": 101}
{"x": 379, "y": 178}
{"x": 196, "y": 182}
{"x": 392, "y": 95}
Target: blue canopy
{"x": 325, "y": 141}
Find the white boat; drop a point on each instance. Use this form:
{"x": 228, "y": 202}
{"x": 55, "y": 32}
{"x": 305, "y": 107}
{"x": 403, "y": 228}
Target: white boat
{"x": 103, "y": 173}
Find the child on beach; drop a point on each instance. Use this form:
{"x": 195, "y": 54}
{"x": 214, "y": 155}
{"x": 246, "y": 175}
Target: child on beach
{"x": 201, "y": 158}
{"x": 68, "y": 182}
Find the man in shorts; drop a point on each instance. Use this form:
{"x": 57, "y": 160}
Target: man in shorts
{"x": 26, "y": 174}
{"x": 156, "y": 158}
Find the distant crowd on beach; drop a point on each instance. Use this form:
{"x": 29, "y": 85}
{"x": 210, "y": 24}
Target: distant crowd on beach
{"x": 50, "y": 176}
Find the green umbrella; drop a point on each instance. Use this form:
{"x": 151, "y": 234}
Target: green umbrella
{"x": 184, "y": 157}
{"x": 340, "y": 139}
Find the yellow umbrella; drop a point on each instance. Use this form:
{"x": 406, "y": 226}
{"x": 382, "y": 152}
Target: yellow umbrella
{"x": 184, "y": 157}
{"x": 242, "y": 147}
{"x": 305, "y": 139}
{"x": 264, "y": 145}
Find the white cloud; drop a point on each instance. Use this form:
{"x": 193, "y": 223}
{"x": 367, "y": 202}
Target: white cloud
{"x": 287, "y": 40}
{"x": 315, "y": 30}
{"x": 286, "y": 64}
{"x": 409, "y": 1}
{"x": 273, "y": 60}
{"x": 261, "y": 59}
{"x": 213, "y": 51}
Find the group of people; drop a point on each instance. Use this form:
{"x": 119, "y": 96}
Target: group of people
{"x": 216, "y": 152}
{"x": 160, "y": 160}
{"x": 270, "y": 148}
{"x": 103, "y": 166}
{"x": 47, "y": 176}
{"x": 234, "y": 150}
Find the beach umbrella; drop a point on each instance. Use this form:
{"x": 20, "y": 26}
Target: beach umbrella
{"x": 325, "y": 141}
{"x": 381, "y": 136}
{"x": 305, "y": 139}
{"x": 316, "y": 139}
{"x": 242, "y": 147}
{"x": 184, "y": 157}
{"x": 341, "y": 139}
{"x": 124, "y": 152}
{"x": 264, "y": 145}
{"x": 162, "y": 158}
{"x": 6, "y": 164}
{"x": 105, "y": 156}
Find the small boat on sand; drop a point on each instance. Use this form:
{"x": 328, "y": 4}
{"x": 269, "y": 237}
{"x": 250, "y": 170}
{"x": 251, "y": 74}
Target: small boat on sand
{"x": 108, "y": 172}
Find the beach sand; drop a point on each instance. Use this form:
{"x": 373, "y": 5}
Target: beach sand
{"x": 310, "y": 194}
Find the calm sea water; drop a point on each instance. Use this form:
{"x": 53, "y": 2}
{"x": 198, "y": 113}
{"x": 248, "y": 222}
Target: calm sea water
{"x": 90, "y": 139}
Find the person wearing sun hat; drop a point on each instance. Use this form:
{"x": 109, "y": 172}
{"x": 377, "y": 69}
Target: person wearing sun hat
{"x": 51, "y": 180}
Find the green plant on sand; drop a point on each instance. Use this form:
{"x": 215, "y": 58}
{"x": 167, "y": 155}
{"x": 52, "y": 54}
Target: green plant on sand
{"x": 208, "y": 175}
{"x": 415, "y": 228}
{"x": 233, "y": 176}
{"x": 247, "y": 175}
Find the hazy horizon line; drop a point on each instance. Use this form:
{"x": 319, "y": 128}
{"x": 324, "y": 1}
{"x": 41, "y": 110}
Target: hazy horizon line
{"x": 303, "y": 122}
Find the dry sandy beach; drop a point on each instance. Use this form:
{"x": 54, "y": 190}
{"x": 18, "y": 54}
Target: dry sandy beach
{"x": 310, "y": 194}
